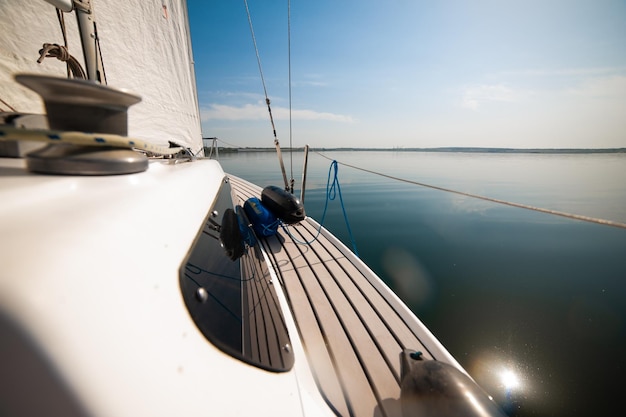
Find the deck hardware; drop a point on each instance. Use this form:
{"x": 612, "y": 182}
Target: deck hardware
{"x": 74, "y": 105}
{"x": 416, "y": 355}
{"x": 202, "y": 294}
{"x": 437, "y": 389}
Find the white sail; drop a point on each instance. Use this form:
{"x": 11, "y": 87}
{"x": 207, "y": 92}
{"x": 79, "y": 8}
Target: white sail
{"x": 145, "y": 48}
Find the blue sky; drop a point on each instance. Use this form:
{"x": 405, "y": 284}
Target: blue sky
{"x": 413, "y": 73}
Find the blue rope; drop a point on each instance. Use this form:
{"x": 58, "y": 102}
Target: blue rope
{"x": 331, "y": 193}
{"x": 270, "y": 229}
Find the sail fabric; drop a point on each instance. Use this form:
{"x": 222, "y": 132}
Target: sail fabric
{"x": 146, "y": 50}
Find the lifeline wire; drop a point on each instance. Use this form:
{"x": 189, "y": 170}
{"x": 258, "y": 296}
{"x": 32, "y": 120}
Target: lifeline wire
{"x": 493, "y": 200}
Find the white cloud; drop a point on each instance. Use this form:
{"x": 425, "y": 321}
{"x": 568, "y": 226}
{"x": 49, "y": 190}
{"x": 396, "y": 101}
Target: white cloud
{"x": 564, "y": 83}
{"x": 561, "y": 72}
{"x": 226, "y": 112}
{"x": 474, "y": 96}
{"x": 605, "y": 87}
{"x": 583, "y": 111}
{"x": 259, "y": 112}
{"x": 313, "y": 115}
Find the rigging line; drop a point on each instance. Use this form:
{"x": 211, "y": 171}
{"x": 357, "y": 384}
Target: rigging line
{"x": 289, "y": 71}
{"x": 61, "y": 52}
{"x": 8, "y": 105}
{"x": 229, "y": 144}
{"x": 258, "y": 60}
{"x": 61, "y": 18}
{"x": 99, "y": 49}
{"x": 493, "y": 200}
{"x": 267, "y": 100}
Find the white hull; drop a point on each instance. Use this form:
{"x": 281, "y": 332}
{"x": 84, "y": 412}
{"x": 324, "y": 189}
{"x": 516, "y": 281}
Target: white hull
{"x": 90, "y": 272}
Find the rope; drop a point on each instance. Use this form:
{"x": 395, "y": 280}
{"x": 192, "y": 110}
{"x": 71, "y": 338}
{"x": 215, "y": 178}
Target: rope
{"x": 60, "y": 52}
{"x": 332, "y": 189}
{"x": 331, "y": 193}
{"x": 270, "y": 229}
{"x": 86, "y": 139}
{"x": 61, "y": 18}
{"x": 493, "y": 200}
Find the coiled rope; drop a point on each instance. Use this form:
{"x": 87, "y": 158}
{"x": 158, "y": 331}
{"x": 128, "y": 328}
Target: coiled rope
{"x": 493, "y": 200}
{"x": 60, "y": 52}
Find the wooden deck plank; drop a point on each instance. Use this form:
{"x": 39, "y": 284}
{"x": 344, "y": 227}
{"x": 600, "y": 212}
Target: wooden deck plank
{"x": 351, "y": 333}
{"x": 377, "y": 329}
{"x": 379, "y": 304}
{"x": 316, "y": 340}
{"x": 251, "y": 345}
{"x": 366, "y": 335}
{"x": 268, "y": 313}
{"x": 379, "y": 308}
{"x": 347, "y": 365}
{"x": 377, "y": 374}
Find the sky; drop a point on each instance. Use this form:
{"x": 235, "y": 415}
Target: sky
{"x": 413, "y": 73}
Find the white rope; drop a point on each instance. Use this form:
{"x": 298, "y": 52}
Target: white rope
{"x": 86, "y": 139}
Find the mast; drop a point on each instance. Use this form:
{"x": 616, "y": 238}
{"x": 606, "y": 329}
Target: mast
{"x": 88, "y": 35}
{"x": 89, "y": 40}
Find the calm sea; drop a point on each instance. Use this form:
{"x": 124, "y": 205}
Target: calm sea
{"x": 532, "y": 305}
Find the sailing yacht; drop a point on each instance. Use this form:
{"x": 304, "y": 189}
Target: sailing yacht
{"x": 134, "y": 278}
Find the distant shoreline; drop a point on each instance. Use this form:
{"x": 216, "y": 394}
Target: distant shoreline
{"x": 442, "y": 149}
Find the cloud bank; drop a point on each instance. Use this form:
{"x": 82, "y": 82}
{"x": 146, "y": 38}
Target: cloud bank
{"x": 474, "y": 96}
{"x": 259, "y": 112}
{"x": 607, "y": 87}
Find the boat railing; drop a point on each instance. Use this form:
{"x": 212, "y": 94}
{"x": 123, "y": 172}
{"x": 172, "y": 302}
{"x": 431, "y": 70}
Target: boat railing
{"x": 211, "y": 148}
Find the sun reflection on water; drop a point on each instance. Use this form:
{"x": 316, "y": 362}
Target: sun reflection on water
{"x": 504, "y": 379}
{"x": 509, "y": 380}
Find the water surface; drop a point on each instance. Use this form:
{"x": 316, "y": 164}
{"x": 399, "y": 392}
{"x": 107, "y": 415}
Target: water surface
{"x": 532, "y": 305}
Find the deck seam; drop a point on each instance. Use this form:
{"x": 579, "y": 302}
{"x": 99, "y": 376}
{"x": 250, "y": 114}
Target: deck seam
{"x": 344, "y": 327}
{"x": 359, "y": 314}
{"x": 323, "y": 332}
